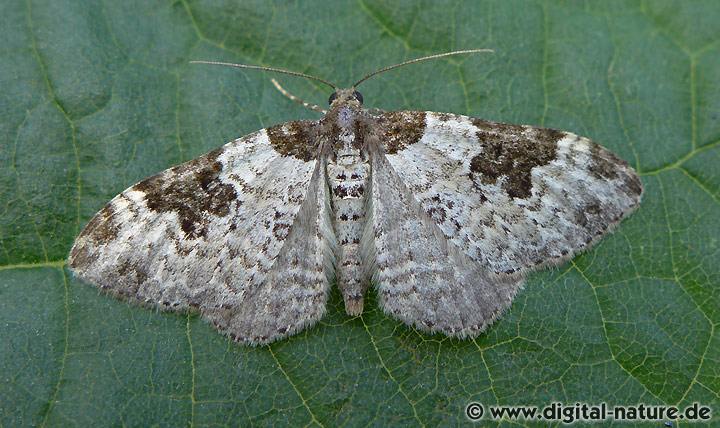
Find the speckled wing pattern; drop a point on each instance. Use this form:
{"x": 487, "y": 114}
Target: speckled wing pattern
{"x": 421, "y": 278}
{"x": 236, "y": 234}
{"x": 462, "y": 207}
{"x": 444, "y": 213}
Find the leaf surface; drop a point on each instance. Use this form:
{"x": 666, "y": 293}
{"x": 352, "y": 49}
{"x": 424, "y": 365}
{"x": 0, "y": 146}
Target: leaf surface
{"x": 98, "y": 95}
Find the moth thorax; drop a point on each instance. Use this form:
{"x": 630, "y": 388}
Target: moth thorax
{"x": 346, "y": 117}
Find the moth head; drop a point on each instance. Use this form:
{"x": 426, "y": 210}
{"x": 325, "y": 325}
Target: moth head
{"x": 345, "y": 96}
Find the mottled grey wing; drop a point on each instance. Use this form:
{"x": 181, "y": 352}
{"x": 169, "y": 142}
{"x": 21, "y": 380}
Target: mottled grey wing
{"x": 240, "y": 234}
{"x": 462, "y": 207}
{"x": 509, "y": 197}
{"x": 421, "y": 278}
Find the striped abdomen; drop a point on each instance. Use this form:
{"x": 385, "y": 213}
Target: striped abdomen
{"x": 348, "y": 177}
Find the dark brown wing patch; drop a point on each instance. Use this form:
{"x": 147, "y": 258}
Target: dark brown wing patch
{"x": 401, "y": 129}
{"x": 193, "y": 198}
{"x": 512, "y": 151}
{"x": 294, "y": 139}
{"x": 604, "y": 165}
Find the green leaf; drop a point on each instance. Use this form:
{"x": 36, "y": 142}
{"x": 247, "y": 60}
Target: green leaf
{"x": 98, "y": 95}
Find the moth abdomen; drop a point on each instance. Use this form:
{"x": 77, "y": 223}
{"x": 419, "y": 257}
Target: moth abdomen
{"x": 348, "y": 176}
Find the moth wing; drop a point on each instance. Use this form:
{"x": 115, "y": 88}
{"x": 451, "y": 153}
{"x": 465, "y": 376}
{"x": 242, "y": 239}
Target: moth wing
{"x": 240, "y": 234}
{"x": 421, "y": 278}
{"x": 461, "y": 208}
{"x": 509, "y": 197}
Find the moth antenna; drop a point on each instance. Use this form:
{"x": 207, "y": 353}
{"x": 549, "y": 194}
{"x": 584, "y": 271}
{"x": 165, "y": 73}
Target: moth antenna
{"x": 284, "y": 91}
{"x": 274, "y": 70}
{"x": 425, "y": 58}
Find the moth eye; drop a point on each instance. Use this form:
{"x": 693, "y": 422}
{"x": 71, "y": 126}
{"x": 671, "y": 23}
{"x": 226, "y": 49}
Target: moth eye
{"x": 332, "y": 97}
{"x": 358, "y": 96}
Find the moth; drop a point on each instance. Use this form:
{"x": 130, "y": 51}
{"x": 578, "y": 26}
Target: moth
{"x": 444, "y": 214}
